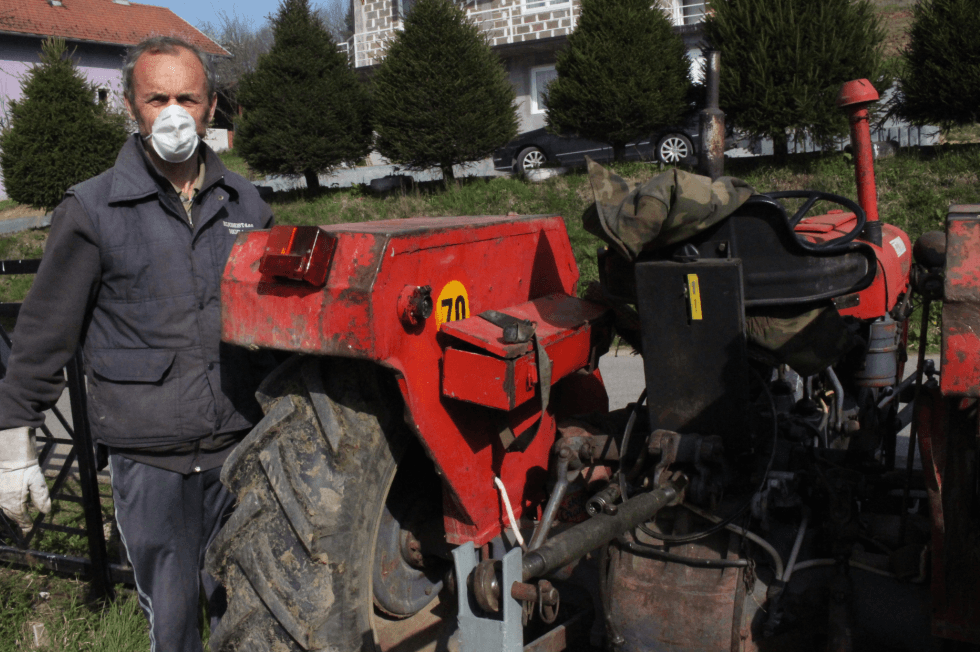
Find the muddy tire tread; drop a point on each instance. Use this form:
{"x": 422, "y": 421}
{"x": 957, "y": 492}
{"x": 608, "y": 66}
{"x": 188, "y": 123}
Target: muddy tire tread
{"x": 292, "y": 555}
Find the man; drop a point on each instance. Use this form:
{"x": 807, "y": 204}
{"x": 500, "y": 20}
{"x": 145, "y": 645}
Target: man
{"x": 131, "y": 272}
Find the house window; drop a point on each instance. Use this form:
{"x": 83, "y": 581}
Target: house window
{"x": 400, "y": 8}
{"x": 692, "y": 12}
{"x": 103, "y": 95}
{"x": 531, "y": 6}
{"x": 540, "y": 78}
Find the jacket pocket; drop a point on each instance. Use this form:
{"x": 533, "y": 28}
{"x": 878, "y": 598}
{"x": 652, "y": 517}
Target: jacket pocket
{"x": 133, "y": 397}
{"x": 132, "y": 365}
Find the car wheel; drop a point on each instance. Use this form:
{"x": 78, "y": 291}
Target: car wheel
{"x": 530, "y": 158}
{"x": 674, "y": 148}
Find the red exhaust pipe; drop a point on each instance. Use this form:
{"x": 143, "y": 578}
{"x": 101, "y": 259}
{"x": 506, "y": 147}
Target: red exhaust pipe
{"x": 854, "y": 98}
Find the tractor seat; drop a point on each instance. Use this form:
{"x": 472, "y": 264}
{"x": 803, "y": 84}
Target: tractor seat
{"x": 776, "y": 268}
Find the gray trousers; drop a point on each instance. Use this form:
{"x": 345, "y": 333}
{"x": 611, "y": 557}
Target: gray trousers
{"x": 167, "y": 521}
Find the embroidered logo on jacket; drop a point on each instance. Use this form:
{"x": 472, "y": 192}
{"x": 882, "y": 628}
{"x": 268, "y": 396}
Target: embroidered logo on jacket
{"x": 235, "y": 228}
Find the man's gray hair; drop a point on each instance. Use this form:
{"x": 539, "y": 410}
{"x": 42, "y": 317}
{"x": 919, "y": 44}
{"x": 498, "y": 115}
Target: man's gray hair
{"x": 164, "y": 45}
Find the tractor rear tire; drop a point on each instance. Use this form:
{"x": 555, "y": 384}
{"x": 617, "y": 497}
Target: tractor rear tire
{"x": 298, "y": 554}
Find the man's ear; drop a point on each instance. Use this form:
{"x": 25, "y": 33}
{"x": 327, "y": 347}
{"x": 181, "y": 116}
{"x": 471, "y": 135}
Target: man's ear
{"x": 129, "y": 109}
{"x": 214, "y": 105}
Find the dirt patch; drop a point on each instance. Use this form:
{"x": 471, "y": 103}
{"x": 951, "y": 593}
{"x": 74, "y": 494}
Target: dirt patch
{"x": 21, "y": 211}
{"x": 896, "y": 23}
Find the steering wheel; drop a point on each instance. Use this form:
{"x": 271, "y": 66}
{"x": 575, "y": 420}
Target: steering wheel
{"x": 812, "y": 197}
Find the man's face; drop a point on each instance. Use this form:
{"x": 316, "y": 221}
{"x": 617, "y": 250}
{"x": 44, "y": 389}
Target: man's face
{"x": 161, "y": 79}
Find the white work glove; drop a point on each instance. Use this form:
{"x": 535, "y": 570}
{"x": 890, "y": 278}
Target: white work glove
{"x": 20, "y": 475}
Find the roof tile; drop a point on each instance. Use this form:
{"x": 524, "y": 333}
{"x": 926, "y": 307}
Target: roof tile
{"x": 101, "y": 21}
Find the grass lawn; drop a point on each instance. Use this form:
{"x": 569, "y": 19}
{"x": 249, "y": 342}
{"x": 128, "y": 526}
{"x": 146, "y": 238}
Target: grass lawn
{"x": 55, "y": 612}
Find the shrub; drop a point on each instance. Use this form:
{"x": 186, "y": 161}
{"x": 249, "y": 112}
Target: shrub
{"x": 442, "y": 97}
{"x": 940, "y": 81}
{"x": 622, "y": 76}
{"x": 783, "y": 63}
{"x": 58, "y": 134}
{"x": 303, "y": 109}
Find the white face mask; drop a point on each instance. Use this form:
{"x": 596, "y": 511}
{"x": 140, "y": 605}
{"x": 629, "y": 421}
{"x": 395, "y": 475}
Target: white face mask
{"x": 174, "y": 135}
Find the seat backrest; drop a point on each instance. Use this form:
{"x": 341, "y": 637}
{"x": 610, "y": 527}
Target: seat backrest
{"x": 777, "y": 269}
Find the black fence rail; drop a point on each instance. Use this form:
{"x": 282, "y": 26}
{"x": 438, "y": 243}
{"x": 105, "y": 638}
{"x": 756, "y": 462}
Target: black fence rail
{"x": 16, "y": 547}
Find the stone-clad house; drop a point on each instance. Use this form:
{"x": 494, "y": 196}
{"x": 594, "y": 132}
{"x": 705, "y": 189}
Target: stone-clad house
{"x": 526, "y": 34}
{"x": 97, "y": 33}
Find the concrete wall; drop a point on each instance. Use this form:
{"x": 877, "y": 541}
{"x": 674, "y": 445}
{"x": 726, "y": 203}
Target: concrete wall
{"x": 217, "y": 139}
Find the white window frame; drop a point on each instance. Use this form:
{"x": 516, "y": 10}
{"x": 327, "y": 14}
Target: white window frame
{"x": 679, "y": 6}
{"x": 535, "y": 107}
{"x": 535, "y": 6}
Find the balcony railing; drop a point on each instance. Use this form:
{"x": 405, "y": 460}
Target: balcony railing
{"x": 687, "y": 12}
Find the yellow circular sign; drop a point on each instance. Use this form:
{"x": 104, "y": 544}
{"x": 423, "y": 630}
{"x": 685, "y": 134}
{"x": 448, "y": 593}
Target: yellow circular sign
{"x": 453, "y": 303}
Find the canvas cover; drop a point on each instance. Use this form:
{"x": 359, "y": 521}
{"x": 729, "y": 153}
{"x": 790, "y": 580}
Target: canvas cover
{"x": 668, "y": 208}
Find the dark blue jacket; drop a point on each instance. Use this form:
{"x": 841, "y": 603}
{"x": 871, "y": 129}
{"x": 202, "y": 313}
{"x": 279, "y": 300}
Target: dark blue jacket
{"x": 125, "y": 274}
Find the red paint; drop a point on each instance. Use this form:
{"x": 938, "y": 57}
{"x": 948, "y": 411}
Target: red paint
{"x": 961, "y": 307}
{"x": 854, "y": 99}
{"x": 300, "y": 253}
{"x": 487, "y": 380}
{"x": 947, "y": 445}
{"x": 894, "y": 261}
{"x": 355, "y": 314}
{"x": 507, "y": 381}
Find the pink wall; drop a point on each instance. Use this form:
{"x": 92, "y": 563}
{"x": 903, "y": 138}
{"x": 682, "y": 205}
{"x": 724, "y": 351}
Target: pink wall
{"x": 99, "y": 64}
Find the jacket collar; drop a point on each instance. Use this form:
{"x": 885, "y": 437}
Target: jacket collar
{"x": 135, "y": 177}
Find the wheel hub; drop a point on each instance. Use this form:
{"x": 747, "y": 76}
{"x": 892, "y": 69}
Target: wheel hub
{"x": 403, "y": 583}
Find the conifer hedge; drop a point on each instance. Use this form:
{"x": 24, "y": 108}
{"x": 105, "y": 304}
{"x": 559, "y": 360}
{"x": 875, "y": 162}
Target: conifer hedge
{"x": 783, "y": 63}
{"x": 58, "y": 134}
{"x": 303, "y": 109}
{"x": 441, "y": 95}
{"x": 940, "y": 80}
{"x": 622, "y": 76}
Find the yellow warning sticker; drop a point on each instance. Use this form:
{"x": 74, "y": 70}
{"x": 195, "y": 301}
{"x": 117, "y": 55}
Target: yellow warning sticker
{"x": 694, "y": 296}
{"x": 453, "y": 303}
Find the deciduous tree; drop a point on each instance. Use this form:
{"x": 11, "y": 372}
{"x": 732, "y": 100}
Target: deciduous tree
{"x": 245, "y": 42}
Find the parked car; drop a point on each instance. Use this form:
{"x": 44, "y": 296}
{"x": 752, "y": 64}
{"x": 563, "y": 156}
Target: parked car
{"x": 532, "y": 149}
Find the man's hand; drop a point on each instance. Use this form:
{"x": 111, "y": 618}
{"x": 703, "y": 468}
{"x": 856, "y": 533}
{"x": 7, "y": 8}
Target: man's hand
{"x": 21, "y": 476}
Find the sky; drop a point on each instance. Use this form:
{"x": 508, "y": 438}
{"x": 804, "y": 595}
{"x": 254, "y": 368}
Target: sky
{"x": 196, "y": 12}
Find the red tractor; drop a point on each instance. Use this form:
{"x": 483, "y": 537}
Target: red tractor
{"x": 438, "y": 468}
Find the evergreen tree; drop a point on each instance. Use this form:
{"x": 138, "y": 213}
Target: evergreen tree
{"x": 783, "y": 63}
{"x": 940, "y": 82}
{"x": 58, "y": 134}
{"x": 441, "y": 95}
{"x": 303, "y": 109}
{"x": 622, "y": 76}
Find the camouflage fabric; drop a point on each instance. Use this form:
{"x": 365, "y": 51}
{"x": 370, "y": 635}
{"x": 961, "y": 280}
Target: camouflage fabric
{"x": 664, "y": 210}
{"x": 807, "y": 339}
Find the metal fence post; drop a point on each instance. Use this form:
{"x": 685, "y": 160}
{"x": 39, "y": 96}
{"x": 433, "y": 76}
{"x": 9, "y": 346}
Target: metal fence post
{"x": 101, "y": 582}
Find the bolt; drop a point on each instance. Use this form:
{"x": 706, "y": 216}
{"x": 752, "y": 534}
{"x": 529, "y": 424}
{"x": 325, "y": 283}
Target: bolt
{"x": 413, "y": 551}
